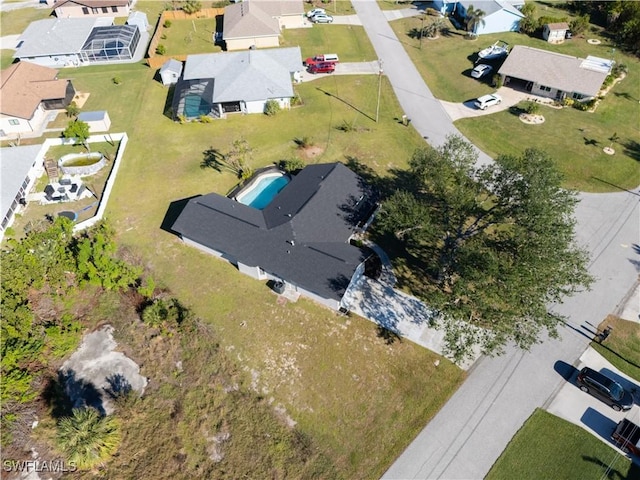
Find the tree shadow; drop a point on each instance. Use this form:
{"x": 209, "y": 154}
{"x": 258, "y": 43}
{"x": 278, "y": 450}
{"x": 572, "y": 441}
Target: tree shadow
{"x": 118, "y": 386}
{"x": 631, "y": 149}
{"x": 66, "y": 392}
{"x": 388, "y": 335}
{"x": 590, "y": 141}
{"x": 214, "y": 159}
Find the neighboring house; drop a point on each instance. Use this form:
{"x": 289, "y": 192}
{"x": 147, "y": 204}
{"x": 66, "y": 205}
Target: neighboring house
{"x": 300, "y": 238}
{"x": 500, "y": 15}
{"x": 258, "y": 23}
{"x": 170, "y": 72}
{"x": 19, "y": 169}
{"x": 555, "y": 32}
{"x": 73, "y": 42}
{"x": 29, "y": 92}
{"x": 91, "y": 8}
{"x": 235, "y": 82}
{"x": 97, "y": 121}
{"x": 554, "y": 75}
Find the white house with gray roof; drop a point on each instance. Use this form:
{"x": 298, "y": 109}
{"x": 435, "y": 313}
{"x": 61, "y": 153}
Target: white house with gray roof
{"x": 215, "y": 84}
{"x": 554, "y": 75}
{"x": 73, "y": 42}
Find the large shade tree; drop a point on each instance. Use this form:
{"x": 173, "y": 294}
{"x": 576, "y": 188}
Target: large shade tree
{"x": 494, "y": 243}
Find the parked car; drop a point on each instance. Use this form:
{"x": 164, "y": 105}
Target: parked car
{"x": 487, "y": 101}
{"x": 322, "y": 18}
{"x": 481, "y": 70}
{"x": 627, "y": 436}
{"x": 316, "y": 11}
{"x": 327, "y": 57}
{"x": 605, "y": 388}
{"x": 326, "y": 67}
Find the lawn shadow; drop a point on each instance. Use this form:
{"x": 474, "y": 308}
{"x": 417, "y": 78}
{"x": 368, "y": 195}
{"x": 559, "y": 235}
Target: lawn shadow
{"x": 603, "y": 426}
{"x": 329, "y": 94}
{"x": 632, "y": 149}
{"x": 591, "y": 141}
{"x": 566, "y": 371}
{"x": 389, "y": 336}
{"x": 173, "y": 212}
{"x": 168, "y": 101}
{"x": 614, "y": 474}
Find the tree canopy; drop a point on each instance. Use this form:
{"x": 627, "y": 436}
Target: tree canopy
{"x": 78, "y": 130}
{"x": 494, "y": 244}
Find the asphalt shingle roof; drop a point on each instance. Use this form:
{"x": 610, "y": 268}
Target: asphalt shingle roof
{"x": 301, "y": 236}
{"x": 248, "y": 75}
{"x": 555, "y": 70}
{"x": 248, "y": 19}
{"x": 15, "y": 163}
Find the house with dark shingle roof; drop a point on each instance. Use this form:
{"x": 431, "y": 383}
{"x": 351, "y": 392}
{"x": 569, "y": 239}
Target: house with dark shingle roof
{"x": 554, "y": 75}
{"x": 29, "y": 92}
{"x": 300, "y": 238}
{"x": 236, "y": 82}
{"x": 91, "y": 8}
{"x": 258, "y": 23}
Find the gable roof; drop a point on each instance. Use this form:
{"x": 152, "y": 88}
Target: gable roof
{"x": 247, "y": 75}
{"x": 301, "y": 236}
{"x": 558, "y": 26}
{"x": 171, "y": 65}
{"x": 25, "y": 85}
{"x": 556, "y": 70}
{"x": 62, "y": 36}
{"x": 93, "y": 3}
{"x": 248, "y": 19}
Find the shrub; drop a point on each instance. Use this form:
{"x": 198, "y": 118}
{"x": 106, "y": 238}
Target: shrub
{"x": 579, "y": 24}
{"x": 205, "y": 119}
{"x": 182, "y": 118}
{"x": 292, "y": 165}
{"x": 346, "y": 126}
{"x": 432, "y": 11}
{"x": 167, "y": 315}
{"x": 167, "y": 24}
{"x": 161, "y": 49}
{"x": 9, "y": 232}
{"x": 163, "y": 36}
{"x": 246, "y": 173}
{"x": 304, "y": 142}
{"x": 532, "y": 108}
{"x": 497, "y": 80}
{"x": 619, "y": 69}
{"x": 568, "y": 102}
{"x": 72, "y": 110}
{"x": 117, "y": 80}
{"x": 296, "y": 100}
{"x": 271, "y": 107}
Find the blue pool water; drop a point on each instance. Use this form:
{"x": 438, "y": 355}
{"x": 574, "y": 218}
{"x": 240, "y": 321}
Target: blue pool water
{"x": 263, "y": 191}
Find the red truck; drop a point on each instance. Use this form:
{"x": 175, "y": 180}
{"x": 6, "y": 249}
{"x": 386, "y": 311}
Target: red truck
{"x": 326, "y": 58}
{"x": 627, "y": 436}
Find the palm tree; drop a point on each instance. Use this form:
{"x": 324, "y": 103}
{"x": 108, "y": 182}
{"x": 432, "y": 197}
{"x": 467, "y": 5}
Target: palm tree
{"x": 87, "y": 438}
{"x": 435, "y": 27}
{"x": 475, "y": 17}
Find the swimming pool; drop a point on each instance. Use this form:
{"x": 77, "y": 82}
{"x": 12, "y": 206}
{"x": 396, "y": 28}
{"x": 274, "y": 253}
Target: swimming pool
{"x": 263, "y": 189}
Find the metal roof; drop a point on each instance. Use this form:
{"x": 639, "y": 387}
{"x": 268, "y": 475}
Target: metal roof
{"x": 61, "y": 36}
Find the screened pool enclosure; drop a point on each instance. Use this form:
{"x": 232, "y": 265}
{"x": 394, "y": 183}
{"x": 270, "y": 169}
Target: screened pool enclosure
{"x": 115, "y": 42}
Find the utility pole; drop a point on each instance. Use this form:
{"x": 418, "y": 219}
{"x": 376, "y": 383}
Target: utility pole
{"x": 380, "y": 72}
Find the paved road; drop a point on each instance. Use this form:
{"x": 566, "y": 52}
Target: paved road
{"x": 466, "y": 437}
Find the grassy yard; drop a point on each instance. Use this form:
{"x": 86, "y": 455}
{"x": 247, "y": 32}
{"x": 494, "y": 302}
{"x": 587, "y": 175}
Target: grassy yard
{"x": 186, "y": 37}
{"x": 15, "y": 21}
{"x": 349, "y": 42}
{"x": 574, "y": 139}
{"x": 622, "y": 347}
{"x": 568, "y": 452}
{"x": 360, "y": 399}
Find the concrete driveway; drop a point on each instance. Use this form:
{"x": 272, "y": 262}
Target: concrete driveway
{"x": 584, "y": 410}
{"x": 510, "y": 97}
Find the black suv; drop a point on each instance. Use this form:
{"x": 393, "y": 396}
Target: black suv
{"x": 605, "y": 389}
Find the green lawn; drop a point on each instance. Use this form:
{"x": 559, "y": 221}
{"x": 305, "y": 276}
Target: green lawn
{"x": 547, "y": 447}
{"x": 349, "y": 42}
{"x": 15, "y": 21}
{"x": 362, "y": 400}
{"x": 186, "y": 37}
{"x": 574, "y": 139}
{"x": 333, "y": 7}
{"x": 622, "y": 347}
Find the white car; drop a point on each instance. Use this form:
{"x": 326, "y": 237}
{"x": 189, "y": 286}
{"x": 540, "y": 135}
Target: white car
{"x": 322, "y": 18}
{"x": 481, "y": 70}
{"x": 316, "y": 11}
{"x": 487, "y": 101}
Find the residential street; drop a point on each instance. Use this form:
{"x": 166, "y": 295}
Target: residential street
{"x": 471, "y": 431}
